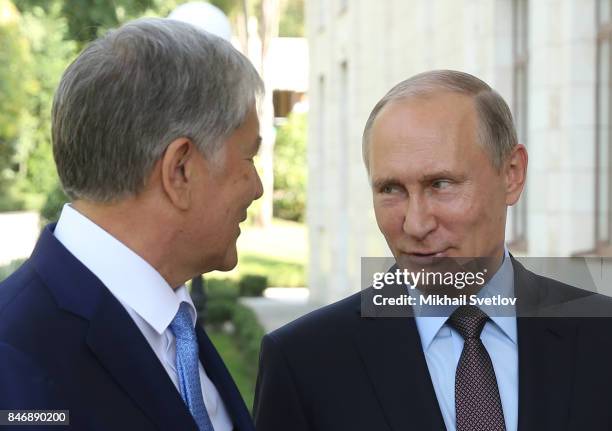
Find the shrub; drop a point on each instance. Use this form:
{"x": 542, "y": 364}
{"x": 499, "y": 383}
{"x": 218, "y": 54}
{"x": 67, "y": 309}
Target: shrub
{"x": 248, "y": 333}
{"x": 216, "y": 304}
{"x": 221, "y": 288}
{"x": 253, "y": 285}
{"x": 219, "y": 311}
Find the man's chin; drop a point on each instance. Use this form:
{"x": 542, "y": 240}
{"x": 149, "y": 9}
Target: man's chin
{"x": 229, "y": 262}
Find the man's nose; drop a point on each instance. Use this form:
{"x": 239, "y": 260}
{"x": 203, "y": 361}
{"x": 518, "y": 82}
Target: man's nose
{"x": 419, "y": 220}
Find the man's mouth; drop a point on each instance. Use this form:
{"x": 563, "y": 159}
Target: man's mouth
{"x": 424, "y": 257}
{"x": 417, "y": 254}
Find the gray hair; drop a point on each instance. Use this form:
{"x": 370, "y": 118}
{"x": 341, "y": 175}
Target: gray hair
{"x": 129, "y": 94}
{"x": 496, "y": 130}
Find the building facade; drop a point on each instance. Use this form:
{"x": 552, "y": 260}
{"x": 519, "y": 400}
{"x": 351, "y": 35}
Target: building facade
{"x": 549, "y": 59}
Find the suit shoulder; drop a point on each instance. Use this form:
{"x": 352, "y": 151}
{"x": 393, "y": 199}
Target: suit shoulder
{"x": 567, "y": 291}
{"x": 562, "y": 299}
{"x": 26, "y": 305}
{"x": 17, "y": 284}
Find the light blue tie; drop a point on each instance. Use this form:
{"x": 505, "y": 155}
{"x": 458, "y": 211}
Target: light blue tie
{"x": 187, "y": 366}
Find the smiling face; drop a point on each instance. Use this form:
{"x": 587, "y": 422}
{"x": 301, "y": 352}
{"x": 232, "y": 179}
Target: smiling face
{"x": 227, "y": 184}
{"x": 435, "y": 190}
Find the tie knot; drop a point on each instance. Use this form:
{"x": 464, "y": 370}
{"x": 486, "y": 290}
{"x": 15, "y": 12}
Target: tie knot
{"x": 182, "y": 325}
{"x": 468, "y": 320}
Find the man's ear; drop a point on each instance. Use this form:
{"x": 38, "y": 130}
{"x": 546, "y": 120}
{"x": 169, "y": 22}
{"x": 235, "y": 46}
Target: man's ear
{"x": 178, "y": 169}
{"x": 515, "y": 169}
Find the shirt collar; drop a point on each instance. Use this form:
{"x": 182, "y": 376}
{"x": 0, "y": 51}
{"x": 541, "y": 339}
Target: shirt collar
{"x": 502, "y": 283}
{"x": 131, "y": 279}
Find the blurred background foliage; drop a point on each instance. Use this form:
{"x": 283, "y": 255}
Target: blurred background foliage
{"x": 38, "y": 50}
{"x": 15, "y": 84}
{"x": 85, "y": 19}
{"x": 290, "y": 169}
{"x": 39, "y": 38}
{"x": 291, "y": 23}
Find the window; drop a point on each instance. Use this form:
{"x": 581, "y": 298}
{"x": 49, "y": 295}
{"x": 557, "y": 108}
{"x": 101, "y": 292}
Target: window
{"x": 603, "y": 129}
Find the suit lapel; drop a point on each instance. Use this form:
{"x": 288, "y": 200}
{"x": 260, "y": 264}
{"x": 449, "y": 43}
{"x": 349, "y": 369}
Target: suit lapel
{"x": 392, "y": 355}
{"x": 219, "y": 375}
{"x": 112, "y": 336}
{"x": 546, "y": 358}
{"x": 126, "y": 355}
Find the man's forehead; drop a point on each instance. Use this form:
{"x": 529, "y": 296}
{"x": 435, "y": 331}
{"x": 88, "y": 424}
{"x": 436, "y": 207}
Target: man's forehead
{"x": 422, "y": 147}
{"x": 446, "y": 117}
{"x": 409, "y": 145}
{"x": 447, "y": 106}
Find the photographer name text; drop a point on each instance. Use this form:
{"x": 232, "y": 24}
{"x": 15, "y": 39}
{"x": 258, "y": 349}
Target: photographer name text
{"x": 443, "y": 300}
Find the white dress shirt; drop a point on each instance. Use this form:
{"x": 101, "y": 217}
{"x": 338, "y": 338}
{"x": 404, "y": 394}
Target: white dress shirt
{"x": 146, "y": 296}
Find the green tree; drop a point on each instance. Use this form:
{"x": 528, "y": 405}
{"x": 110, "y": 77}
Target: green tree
{"x": 86, "y": 19}
{"x": 292, "y": 19}
{"x": 51, "y": 52}
{"x": 15, "y": 68}
{"x": 290, "y": 169}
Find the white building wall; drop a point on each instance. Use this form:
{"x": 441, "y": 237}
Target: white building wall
{"x": 384, "y": 42}
{"x": 562, "y": 124}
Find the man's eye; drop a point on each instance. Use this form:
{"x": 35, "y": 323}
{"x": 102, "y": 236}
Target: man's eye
{"x": 440, "y": 184}
{"x": 387, "y": 189}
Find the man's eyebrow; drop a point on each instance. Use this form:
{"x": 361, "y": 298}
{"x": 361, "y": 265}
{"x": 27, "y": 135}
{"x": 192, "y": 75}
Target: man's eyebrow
{"x": 381, "y": 182}
{"x": 378, "y": 183}
{"x": 442, "y": 174}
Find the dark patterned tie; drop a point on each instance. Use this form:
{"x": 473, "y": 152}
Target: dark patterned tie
{"x": 477, "y": 401}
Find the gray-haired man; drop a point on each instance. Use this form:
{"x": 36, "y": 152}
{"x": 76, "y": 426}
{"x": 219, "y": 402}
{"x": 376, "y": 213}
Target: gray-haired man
{"x": 154, "y": 134}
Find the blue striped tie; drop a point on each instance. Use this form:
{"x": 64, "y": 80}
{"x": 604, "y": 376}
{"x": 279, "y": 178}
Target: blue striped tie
{"x": 187, "y": 367}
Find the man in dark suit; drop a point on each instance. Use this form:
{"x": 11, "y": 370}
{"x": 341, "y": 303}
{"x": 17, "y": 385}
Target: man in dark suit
{"x": 444, "y": 164}
{"x": 154, "y": 134}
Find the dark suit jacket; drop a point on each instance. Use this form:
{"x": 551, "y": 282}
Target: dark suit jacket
{"x": 334, "y": 370}
{"x": 67, "y": 343}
